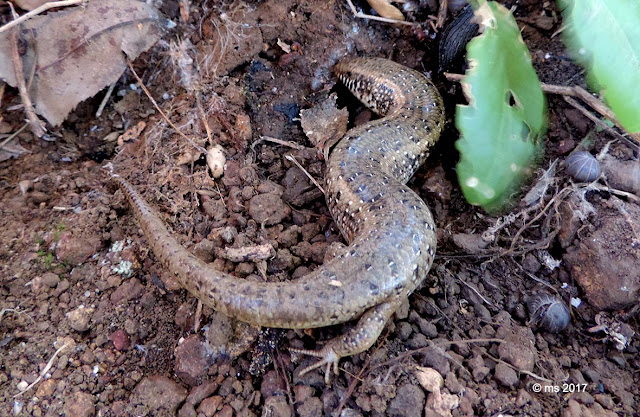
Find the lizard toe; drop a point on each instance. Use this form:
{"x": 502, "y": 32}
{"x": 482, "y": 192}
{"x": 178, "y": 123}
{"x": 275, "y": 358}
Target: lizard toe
{"x": 327, "y": 357}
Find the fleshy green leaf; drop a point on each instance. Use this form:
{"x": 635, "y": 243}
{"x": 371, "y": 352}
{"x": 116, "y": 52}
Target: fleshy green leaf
{"x": 604, "y": 36}
{"x": 500, "y": 129}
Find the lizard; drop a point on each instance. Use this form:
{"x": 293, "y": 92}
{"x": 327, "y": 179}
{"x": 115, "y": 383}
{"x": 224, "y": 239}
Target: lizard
{"x": 390, "y": 230}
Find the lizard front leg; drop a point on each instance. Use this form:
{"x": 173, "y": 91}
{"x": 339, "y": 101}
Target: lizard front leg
{"x": 356, "y": 340}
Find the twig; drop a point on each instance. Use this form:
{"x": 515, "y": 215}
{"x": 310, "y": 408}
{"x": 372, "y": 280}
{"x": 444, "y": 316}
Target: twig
{"x": 531, "y": 374}
{"x": 198, "y": 317}
{"x": 595, "y": 120}
{"x": 313, "y": 180}
{"x": 36, "y": 124}
{"x": 247, "y": 253}
{"x": 442, "y": 13}
{"x": 164, "y": 116}
{"x": 278, "y": 141}
{"x": 472, "y": 288}
{"x": 361, "y": 15}
{"x": 43, "y": 373}
{"x": 105, "y": 100}
{"x": 13, "y": 135}
{"x": 38, "y": 10}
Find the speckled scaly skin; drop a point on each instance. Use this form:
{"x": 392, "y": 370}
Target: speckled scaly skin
{"x": 390, "y": 231}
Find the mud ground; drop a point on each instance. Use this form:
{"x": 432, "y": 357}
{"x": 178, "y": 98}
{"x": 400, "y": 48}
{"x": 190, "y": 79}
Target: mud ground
{"x": 86, "y": 304}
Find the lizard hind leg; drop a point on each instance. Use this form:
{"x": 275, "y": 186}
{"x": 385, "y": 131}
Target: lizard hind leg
{"x": 356, "y": 340}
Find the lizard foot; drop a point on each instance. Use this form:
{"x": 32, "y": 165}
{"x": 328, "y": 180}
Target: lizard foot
{"x": 327, "y": 357}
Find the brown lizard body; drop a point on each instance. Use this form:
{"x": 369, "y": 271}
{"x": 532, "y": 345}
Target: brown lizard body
{"x": 390, "y": 230}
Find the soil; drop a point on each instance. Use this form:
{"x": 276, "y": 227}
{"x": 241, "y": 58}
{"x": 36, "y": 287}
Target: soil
{"x": 85, "y": 303}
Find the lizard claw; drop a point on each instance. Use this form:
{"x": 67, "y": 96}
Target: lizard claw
{"x": 327, "y": 357}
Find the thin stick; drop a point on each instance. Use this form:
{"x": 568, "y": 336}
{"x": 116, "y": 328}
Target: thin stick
{"x": 36, "y": 124}
{"x": 361, "y": 15}
{"x": 278, "y": 141}
{"x": 164, "y": 116}
{"x": 313, "y": 180}
{"x": 105, "y": 100}
{"x": 442, "y": 13}
{"x": 597, "y": 121}
{"x": 39, "y": 10}
{"x": 43, "y": 373}
{"x": 13, "y": 135}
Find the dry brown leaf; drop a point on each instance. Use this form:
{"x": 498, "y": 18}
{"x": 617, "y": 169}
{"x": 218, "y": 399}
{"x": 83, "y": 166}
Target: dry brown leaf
{"x": 325, "y": 124}
{"x": 12, "y": 149}
{"x": 78, "y": 51}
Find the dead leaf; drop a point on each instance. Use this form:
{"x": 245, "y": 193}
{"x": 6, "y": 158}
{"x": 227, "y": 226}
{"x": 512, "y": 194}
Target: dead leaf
{"x": 78, "y": 51}
{"x": 11, "y": 149}
{"x": 324, "y": 124}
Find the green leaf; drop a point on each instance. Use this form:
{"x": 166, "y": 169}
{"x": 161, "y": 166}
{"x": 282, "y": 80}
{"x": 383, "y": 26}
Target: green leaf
{"x": 500, "y": 129}
{"x": 604, "y": 36}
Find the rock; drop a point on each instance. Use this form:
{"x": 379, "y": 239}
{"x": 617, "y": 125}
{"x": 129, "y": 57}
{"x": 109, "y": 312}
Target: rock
{"x": 478, "y": 368}
{"x": 202, "y": 391}
{"x": 226, "y": 411}
{"x": 210, "y": 405}
{"x": 268, "y": 209}
{"x": 429, "y": 378}
{"x": 506, "y": 376}
{"x": 470, "y": 243}
{"x": 523, "y": 398}
{"x": 272, "y": 385}
{"x": 44, "y": 282}
{"x": 519, "y": 347}
{"x": 298, "y": 189}
{"x": 204, "y": 250}
{"x": 79, "y": 318}
{"x": 120, "y": 340}
{"x": 408, "y": 402}
{"x": 193, "y": 359}
{"x": 46, "y": 388}
{"x": 310, "y": 408}
{"x": 80, "y": 404}
{"x": 187, "y": 410}
{"x": 284, "y": 261}
{"x": 602, "y": 260}
{"x": 74, "y": 250}
{"x": 129, "y": 290}
{"x": 159, "y": 394}
{"x": 302, "y": 393}
{"x": 276, "y": 406}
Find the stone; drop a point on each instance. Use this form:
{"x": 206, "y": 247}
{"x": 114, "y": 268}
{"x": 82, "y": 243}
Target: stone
{"x": 80, "y": 404}
{"x": 310, "y": 408}
{"x": 159, "y": 394}
{"x": 408, "y": 402}
{"x": 74, "y": 250}
{"x": 506, "y": 376}
{"x": 193, "y": 358}
{"x": 79, "y": 318}
{"x": 120, "y": 340}
{"x": 268, "y": 209}
{"x": 604, "y": 265}
{"x": 129, "y": 290}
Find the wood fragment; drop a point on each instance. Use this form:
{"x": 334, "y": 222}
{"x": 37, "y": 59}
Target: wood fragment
{"x": 36, "y": 124}
{"x": 247, "y": 253}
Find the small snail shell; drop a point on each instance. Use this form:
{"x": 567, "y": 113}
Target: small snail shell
{"x": 583, "y": 166}
{"x": 548, "y": 312}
